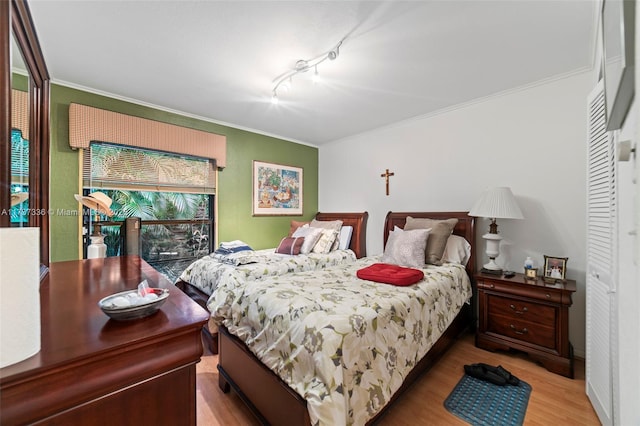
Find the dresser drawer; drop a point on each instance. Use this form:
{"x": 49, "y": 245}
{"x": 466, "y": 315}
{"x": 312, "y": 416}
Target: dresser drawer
{"x": 519, "y": 310}
{"x": 522, "y": 330}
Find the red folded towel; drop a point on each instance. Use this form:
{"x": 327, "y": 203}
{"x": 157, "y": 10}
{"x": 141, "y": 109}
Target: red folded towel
{"x": 390, "y": 274}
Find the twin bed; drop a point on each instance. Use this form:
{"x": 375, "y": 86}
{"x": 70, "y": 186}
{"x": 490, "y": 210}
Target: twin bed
{"x": 324, "y": 347}
{"x": 202, "y": 277}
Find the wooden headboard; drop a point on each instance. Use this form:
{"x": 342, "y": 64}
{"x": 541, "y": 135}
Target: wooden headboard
{"x": 359, "y": 223}
{"x": 465, "y": 228}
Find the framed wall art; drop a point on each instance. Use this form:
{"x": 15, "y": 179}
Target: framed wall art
{"x": 555, "y": 268}
{"x": 277, "y": 189}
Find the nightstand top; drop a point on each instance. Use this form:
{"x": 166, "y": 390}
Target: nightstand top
{"x": 568, "y": 285}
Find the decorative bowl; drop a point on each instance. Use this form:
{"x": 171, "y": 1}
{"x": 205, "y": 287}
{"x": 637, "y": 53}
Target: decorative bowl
{"x": 112, "y": 306}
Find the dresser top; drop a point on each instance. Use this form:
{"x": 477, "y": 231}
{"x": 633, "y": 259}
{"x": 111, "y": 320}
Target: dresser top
{"x": 73, "y": 326}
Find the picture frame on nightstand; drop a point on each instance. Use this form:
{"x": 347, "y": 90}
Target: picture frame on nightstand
{"x": 555, "y": 269}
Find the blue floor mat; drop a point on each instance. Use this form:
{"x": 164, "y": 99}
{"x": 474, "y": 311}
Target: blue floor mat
{"x": 482, "y": 403}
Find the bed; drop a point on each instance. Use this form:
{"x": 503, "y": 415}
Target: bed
{"x": 201, "y": 278}
{"x": 343, "y": 388}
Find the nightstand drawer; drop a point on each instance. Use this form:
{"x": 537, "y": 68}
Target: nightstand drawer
{"x": 542, "y": 293}
{"x": 519, "y": 310}
{"x": 523, "y": 330}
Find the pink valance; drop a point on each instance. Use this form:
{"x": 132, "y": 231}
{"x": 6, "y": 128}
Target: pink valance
{"x": 88, "y": 124}
{"x": 20, "y": 112}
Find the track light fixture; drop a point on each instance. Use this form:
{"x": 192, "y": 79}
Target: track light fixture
{"x": 284, "y": 81}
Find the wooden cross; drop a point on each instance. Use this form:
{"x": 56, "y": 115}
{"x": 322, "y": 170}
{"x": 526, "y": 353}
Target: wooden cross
{"x": 386, "y": 175}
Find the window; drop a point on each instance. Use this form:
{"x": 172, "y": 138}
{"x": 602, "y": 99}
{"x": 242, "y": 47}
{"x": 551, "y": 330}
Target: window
{"x": 19, "y": 179}
{"x": 172, "y": 194}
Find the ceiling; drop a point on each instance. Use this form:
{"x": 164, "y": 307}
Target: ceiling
{"x": 217, "y": 60}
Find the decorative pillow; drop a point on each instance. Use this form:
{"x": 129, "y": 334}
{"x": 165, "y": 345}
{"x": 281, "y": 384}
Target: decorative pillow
{"x": 440, "y": 232}
{"x": 295, "y": 225}
{"x": 326, "y": 240}
{"x": 311, "y": 237}
{"x": 328, "y": 224}
{"x": 345, "y": 237}
{"x": 457, "y": 250}
{"x": 290, "y": 245}
{"x": 390, "y": 274}
{"x": 406, "y": 248}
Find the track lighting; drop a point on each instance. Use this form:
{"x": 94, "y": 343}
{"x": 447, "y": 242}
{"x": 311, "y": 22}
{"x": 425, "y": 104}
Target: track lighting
{"x": 284, "y": 81}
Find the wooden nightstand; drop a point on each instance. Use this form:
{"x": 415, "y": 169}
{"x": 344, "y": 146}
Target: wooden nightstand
{"x": 532, "y": 317}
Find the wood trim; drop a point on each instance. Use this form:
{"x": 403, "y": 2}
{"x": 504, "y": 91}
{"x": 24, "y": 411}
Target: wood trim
{"x": 15, "y": 16}
{"x": 5, "y": 115}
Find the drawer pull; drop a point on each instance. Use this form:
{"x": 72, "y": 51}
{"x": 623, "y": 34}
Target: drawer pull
{"x": 521, "y": 332}
{"x": 516, "y": 311}
{"x": 548, "y": 296}
{"x": 492, "y": 286}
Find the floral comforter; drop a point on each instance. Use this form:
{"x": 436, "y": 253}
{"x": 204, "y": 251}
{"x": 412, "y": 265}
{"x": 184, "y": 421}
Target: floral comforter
{"x": 208, "y": 272}
{"x": 344, "y": 344}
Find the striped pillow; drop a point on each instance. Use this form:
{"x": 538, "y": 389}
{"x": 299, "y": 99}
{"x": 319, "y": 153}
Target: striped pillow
{"x": 290, "y": 245}
{"x": 325, "y": 243}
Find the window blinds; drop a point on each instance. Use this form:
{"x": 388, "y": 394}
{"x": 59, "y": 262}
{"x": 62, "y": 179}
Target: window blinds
{"x": 109, "y": 166}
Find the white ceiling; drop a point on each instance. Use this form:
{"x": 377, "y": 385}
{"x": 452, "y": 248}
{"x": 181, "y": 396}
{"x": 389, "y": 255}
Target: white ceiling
{"x": 217, "y": 59}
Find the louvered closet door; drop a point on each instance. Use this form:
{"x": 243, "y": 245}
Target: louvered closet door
{"x": 601, "y": 213}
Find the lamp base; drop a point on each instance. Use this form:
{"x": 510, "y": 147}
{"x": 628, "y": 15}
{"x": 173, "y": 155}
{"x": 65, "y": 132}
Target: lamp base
{"x": 491, "y": 271}
{"x": 97, "y": 248}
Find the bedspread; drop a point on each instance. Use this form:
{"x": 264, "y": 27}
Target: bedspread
{"x": 208, "y": 272}
{"x": 344, "y": 344}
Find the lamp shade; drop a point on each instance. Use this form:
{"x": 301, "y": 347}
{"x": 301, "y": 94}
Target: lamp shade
{"x": 19, "y": 294}
{"x": 497, "y": 203}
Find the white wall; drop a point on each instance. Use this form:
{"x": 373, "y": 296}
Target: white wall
{"x": 532, "y": 140}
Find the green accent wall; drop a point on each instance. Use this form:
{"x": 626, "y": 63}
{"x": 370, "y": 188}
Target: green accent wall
{"x": 234, "y": 193}
{"x": 19, "y": 82}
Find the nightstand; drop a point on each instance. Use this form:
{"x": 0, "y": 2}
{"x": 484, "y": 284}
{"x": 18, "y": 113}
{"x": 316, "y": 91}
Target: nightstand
{"x": 529, "y": 316}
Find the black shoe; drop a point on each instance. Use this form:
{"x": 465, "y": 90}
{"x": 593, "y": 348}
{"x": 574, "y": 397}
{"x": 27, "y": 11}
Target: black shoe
{"x": 479, "y": 371}
{"x": 510, "y": 378}
{"x": 502, "y": 372}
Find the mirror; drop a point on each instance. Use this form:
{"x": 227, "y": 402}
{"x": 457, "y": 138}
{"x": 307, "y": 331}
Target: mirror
{"x": 19, "y": 216}
{"x": 30, "y": 155}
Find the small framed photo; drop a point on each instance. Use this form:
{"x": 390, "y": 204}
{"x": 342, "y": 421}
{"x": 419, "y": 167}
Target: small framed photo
{"x": 555, "y": 268}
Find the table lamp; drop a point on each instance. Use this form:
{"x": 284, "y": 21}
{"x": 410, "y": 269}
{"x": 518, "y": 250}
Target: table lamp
{"x": 101, "y": 203}
{"x": 495, "y": 203}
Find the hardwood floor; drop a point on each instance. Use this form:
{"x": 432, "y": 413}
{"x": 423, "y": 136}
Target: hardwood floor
{"x": 555, "y": 400}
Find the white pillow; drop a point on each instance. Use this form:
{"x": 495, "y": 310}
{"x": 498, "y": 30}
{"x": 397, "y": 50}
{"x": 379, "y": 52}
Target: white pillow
{"x": 457, "y": 250}
{"x": 345, "y": 237}
{"x": 311, "y": 237}
{"x": 406, "y": 248}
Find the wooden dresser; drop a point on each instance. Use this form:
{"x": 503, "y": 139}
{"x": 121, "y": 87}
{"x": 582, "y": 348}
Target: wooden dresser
{"x": 532, "y": 317}
{"x": 92, "y": 370}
